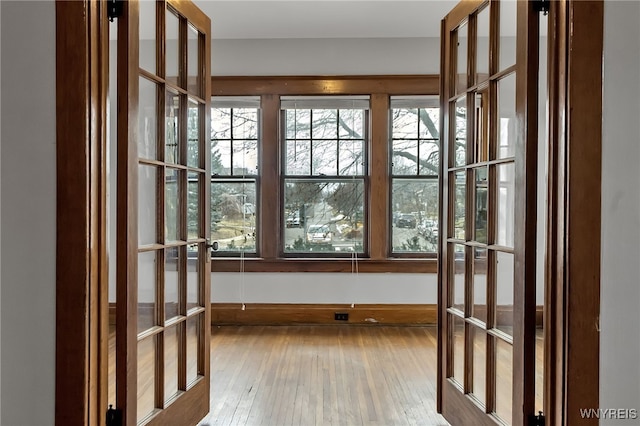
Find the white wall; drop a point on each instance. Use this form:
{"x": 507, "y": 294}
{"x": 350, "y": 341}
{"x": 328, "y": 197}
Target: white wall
{"x": 28, "y": 212}
{"x": 620, "y": 288}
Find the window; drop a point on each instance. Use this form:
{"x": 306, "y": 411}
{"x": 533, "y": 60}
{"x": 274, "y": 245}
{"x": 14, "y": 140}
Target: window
{"x": 324, "y": 175}
{"x": 414, "y": 174}
{"x": 235, "y": 124}
{"x": 311, "y": 173}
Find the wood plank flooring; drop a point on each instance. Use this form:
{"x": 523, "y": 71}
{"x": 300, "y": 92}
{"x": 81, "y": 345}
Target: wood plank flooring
{"x": 323, "y": 375}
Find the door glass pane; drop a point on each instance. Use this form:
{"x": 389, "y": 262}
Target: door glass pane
{"x": 507, "y": 116}
{"x": 147, "y": 273}
{"x": 481, "y": 131}
{"x": 193, "y": 343}
{"x": 171, "y": 351}
{"x": 480, "y": 263}
{"x": 507, "y": 32}
{"x": 458, "y": 273}
{"x": 147, "y": 118}
{"x": 193, "y": 134}
{"x": 481, "y": 204}
{"x": 171, "y": 205}
{"x": 504, "y": 380}
{"x": 172, "y": 263}
{"x": 193, "y": 62}
{"x": 461, "y": 55}
{"x": 479, "y": 364}
{"x": 459, "y": 145}
{"x": 193, "y": 277}
{"x": 172, "y": 123}
{"x": 482, "y": 45}
{"x": 457, "y": 327}
{"x": 146, "y": 377}
{"x": 148, "y": 36}
{"x": 172, "y": 47}
{"x": 506, "y": 204}
{"x": 504, "y": 290}
{"x": 460, "y": 201}
{"x": 193, "y": 205}
{"x": 147, "y": 215}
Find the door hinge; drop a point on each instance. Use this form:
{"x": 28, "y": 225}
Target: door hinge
{"x": 537, "y": 420}
{"x": 114, "y": 9}
{"x": 114, "y": 416}
{"x": 541, "y": 6}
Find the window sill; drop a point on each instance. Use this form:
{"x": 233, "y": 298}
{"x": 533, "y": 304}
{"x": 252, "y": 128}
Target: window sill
{"x": 404, "y": 265}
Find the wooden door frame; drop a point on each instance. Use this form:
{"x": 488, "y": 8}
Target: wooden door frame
{"x": 574, "y": 196}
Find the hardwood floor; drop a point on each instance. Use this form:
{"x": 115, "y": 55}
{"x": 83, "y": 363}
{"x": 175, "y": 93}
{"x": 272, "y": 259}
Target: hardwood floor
{"x": 323, "y": 375}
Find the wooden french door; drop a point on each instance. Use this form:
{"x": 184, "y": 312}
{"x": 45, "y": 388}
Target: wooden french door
{"x": 487, "y": 272}
{"x": 163, "y": 261}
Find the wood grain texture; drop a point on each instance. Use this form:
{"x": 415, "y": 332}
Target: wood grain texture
{"x": 306, "y": 375}
{"x": 425, "y": 265}
{"x": 379, "y": 180}
{"x": 278, "y": 314}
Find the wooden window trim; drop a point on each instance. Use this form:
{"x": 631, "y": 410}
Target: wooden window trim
{"x": 379, "y": 88}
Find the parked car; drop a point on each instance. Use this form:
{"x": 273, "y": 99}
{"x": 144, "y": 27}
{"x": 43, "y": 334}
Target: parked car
{"x": 406, "y": 221}
{"x": 319, "y": 234}
{"x": 293, "y": 220}
{"x": 428, "y": 229}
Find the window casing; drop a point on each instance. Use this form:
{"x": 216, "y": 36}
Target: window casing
{"x": 273, "y": 217}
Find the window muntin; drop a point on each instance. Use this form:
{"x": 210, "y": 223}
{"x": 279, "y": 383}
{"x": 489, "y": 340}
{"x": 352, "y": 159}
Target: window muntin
{"x": 324, "y": 177}
{"x": 235, "y": 136}
{"x": 414, "y": 152}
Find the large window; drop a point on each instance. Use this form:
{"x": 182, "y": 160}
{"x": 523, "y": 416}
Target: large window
{"x": 324, "y": 175}
{"x": 235, "y": 129}
{"x": 415, "y": 148}
{"x": 335, "y": 174}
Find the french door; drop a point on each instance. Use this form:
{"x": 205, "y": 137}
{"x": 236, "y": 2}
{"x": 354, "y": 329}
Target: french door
{"x": 163, "y": 261}
{"x": 489, "y": 171}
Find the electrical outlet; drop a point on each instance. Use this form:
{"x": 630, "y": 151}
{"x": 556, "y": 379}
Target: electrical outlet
{"x": 341, "y": 316}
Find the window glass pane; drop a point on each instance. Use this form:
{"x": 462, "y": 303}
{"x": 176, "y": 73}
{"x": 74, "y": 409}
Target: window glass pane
{"x": 234, "y": 141}
{"x": 298, "y": 123}
{"x": 324, "y": 216}
{"x": 172, "y": 47}
{"x": 220, "y": 123}
{"x": 245, "y": 157}
{"x": 171, "y": 205}
{"x": 459, "y": 141}
{"x": 508, "y": 12}
{"x": 350, "y": 124}
{"x": 429, "y": 157}
{"x": 415, "y": 145}
{"x": 504, "y": 380}
{"x": 147, "y": 119}
{"x": 324, "y": 124}
{"x": 415, "y": 215}
{"x": 482, "y": 45}
{"x": 461, "y": 54}
{"x": 147, "y": 274}
{"x": 298, "y": 157}
{"x": 458, "y": 272}
{"x": 172, "y": 123}
{"x": 351, "y": 158}
{"x": 507, "y": 116}
{"x": 171, "y": 351}
{"x": 459, "y": 189}
{"x": 233, "y": 216}
{"x": 147, "y": 50}
{"x": 480, "y": 263}
{"x": 147, "y": 357}
{"x": 481, "y": 198}
{"x": 193, "y": 205}
{"x": 172, "y": 264}
{"x": 220, "y": 157}
{"x": 457, "y": 331}
{"x": 147, "y": 214}
{"x": 324, "y": 158}
{"x": 479, "y": 364}
{"x": 504, "y": 290}
{"x": 404, "y": 123}
{"x": 244, "y": 123}
{"x": 193, "y": 62}
{"x": 405, "y": 157}
{"x": 506, "y": 204}
{"x": 193, "y": 134}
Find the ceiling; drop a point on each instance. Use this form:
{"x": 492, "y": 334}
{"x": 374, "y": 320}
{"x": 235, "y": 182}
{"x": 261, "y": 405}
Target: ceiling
{"x": 244, "y": 19}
